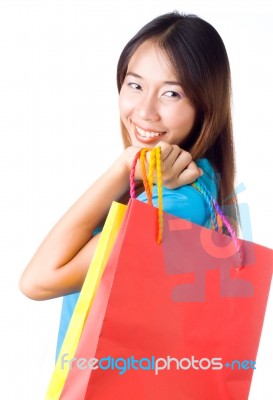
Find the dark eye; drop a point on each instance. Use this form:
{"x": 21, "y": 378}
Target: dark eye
{"x": 134, "y": 85}
{"x": 170, "y": 93}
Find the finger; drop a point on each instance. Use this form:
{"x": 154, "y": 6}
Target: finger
{"x": 170, "y": 162}
{"x": 174, "y": 165}
{"x": 182, "y": 160}
{"x": 166, "y": 149}
{"x": 169, "y": 153}
{"x": 189, "y": 175}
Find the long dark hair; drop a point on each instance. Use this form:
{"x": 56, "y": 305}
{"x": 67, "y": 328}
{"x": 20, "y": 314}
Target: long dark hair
{"x": 201, "y": 64}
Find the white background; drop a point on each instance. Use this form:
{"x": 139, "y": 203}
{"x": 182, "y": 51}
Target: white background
{"x": 59, "y": 129}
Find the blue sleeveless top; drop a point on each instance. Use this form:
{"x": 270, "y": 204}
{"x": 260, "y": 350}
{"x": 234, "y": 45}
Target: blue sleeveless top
{"x": 184, "y": 202}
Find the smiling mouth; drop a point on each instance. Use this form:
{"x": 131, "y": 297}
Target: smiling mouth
{"x": 148, "y": 134}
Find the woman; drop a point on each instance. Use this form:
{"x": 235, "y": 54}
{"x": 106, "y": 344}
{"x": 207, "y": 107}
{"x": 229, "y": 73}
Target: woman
{"x": 173, "y": 78}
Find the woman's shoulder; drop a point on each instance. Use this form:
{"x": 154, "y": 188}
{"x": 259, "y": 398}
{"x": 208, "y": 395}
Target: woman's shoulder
{"x": 209, "y": 177}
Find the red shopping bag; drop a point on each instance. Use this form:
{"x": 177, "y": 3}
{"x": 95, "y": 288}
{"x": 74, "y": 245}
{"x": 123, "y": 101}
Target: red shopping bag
{"x": 155, "y": 313}
{"x": 173, "y": 321}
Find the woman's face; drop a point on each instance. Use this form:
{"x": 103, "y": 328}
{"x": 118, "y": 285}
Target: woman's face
{"x": 153, "y": 106}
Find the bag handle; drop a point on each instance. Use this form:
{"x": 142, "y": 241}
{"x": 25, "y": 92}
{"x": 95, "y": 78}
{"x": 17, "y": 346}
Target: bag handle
{"x": 155, "y": 162}
{"x": 154, "y": 165}
{"x": 218, "y": 211}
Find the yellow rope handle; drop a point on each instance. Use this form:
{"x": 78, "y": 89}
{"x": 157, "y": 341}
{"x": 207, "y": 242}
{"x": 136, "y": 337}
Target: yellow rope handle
{"x": 146, "y": 184}
{"x": 160, "y": 194}
{"x": 154, "y": 165}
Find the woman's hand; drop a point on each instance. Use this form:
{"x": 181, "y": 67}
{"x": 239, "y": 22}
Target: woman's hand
{"x": 178, "y": 169}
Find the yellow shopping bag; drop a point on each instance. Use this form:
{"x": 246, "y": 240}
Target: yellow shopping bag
{"x": 86, "y": 297}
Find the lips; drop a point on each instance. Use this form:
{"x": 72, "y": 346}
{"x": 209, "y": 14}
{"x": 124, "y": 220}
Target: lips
{"x": 147, "y": 136}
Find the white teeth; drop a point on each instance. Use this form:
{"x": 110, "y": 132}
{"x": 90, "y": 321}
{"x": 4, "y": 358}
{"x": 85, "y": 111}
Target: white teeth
{"x": 147, "y": 134}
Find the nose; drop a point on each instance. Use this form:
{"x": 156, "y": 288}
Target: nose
{"x": 147, "y": 108}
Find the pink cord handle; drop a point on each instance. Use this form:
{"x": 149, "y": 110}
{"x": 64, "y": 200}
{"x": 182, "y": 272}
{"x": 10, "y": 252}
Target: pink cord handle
{"x": 132, "y": 176}
{"x": 213, "y": 204}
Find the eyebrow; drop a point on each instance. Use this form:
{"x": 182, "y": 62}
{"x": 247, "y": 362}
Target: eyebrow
{"x": 176, "y": 83}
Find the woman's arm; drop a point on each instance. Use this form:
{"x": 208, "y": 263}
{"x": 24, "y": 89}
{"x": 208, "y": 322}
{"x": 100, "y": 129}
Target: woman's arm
{"x": 60, "y": 264}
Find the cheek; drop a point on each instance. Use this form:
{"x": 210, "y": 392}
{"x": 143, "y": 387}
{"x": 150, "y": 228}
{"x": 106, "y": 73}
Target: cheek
{"x": 191, "y": 118}
{"x": 124, "y": 107}
{"x": 121, "y": 103}
{"x": 127, "y": 102}
{"x": 124, "y": 111}
{"x": 184, "y": 119}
